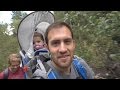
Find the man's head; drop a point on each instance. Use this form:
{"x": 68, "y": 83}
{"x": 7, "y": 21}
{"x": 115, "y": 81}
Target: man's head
{"x": 38, "y": 41}
{"x": 14, "y": 61}
{"x": 60, "y": 43}
{"x": 57, "y": 25}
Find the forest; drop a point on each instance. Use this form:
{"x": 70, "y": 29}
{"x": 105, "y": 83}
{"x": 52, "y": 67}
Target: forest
{"x": 97, "y": 34}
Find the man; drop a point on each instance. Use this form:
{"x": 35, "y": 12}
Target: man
{"x": 14, "y": 71}
{"x": 61, "y": 45}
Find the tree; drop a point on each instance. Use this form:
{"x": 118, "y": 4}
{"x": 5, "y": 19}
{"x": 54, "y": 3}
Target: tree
{"x": 3, "y": 40}
{"x": 17, "y": 16}
{"x": 9, "y": 43}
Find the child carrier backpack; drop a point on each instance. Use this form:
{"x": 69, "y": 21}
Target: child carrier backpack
{"x": 34, "y": 22}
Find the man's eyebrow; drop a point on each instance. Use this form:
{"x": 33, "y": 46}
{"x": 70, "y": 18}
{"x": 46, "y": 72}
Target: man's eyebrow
{"x": 56, "y": 40}
{"x": 68, "y": 39}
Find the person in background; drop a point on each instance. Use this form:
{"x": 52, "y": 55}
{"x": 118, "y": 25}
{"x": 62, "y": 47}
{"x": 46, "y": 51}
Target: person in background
{"x": 14, "y": 71}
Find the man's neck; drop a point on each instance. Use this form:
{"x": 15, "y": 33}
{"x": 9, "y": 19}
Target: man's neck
{"x": 62, "y": 70}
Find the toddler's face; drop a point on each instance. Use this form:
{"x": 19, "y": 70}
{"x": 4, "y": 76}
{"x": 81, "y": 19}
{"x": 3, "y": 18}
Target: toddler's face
{"x": 38, "y": 43}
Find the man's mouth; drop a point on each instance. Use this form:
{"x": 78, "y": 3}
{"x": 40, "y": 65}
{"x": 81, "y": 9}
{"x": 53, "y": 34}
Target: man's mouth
{"x": 63, "y": 57}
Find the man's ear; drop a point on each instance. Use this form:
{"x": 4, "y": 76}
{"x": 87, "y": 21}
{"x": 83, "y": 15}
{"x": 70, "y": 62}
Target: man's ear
{"x": 74, "y": 43}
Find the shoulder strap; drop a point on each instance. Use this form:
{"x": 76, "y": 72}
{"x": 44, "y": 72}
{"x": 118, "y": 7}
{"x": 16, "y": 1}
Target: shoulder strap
{"x": 41, "y": 69}
{"x": 80, "y": 68}
{"x": 51, "y": 73}
{"x": 6, "y": 73}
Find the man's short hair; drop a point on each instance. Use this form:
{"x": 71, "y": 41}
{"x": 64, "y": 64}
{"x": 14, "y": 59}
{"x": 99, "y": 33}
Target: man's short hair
{"x": 57, "y": 25}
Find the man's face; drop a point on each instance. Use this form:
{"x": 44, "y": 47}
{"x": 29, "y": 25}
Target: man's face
{"x": 14, "y": 62}
{"x": 61, "y": 46}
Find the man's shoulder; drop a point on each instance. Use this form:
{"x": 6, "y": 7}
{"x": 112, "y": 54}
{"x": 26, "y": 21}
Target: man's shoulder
{"x": 90, "y": 73}
{"x": 81, "y": 60}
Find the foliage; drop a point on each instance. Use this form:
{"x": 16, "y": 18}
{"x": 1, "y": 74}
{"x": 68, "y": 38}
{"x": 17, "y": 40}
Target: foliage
{"x": 9, "y": 43}
{"x": 97, "y": 34}
{"x": 94, "y": 32}
{"x": 17, "y": 16}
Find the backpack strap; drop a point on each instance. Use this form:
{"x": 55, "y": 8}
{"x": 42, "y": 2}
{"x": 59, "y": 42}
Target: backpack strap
{"x": 41, "y": 70}
{"x": 6, "y": 73}
{"x": 51, "y": 74}
{"x": 80, "y": 68}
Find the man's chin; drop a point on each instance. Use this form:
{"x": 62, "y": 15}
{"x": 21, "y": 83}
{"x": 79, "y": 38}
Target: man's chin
{"x": 65, "y": 64}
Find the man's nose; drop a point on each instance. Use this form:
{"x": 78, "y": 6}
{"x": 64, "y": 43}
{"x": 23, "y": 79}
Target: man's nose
{"x": 62, "y": 48}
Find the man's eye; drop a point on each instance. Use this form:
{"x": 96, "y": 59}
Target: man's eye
{"x": 68, "y": 42}
{"x": 55, "y": 43}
